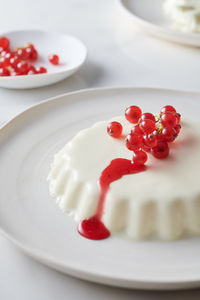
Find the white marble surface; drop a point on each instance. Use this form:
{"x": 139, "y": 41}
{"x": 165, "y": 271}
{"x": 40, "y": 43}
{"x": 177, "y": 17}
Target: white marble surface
{"x": 118, "y": 55}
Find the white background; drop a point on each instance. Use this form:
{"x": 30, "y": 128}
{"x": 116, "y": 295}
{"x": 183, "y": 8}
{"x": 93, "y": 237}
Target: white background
{"x": 118, "y": 55}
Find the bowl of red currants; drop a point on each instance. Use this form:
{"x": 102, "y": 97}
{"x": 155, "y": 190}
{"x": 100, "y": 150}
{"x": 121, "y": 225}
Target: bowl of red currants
{"x": 35, "y": 58}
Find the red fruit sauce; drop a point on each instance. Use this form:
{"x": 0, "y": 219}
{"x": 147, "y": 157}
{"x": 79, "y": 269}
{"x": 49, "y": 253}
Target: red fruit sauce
{"x": 93, "y": 228}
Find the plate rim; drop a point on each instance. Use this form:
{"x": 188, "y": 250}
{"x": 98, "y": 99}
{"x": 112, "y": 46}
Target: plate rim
{"x": 162, "y": 32}
{"x": 108, "y": 279}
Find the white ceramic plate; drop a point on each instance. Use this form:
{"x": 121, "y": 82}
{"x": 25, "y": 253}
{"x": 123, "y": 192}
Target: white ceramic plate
{"x": 149, "y": 15}
{"x": 71, "y": 51}
{"x": 30, "y": 218}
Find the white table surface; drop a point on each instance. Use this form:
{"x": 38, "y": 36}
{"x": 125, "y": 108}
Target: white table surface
{"x": 118, "y": 55}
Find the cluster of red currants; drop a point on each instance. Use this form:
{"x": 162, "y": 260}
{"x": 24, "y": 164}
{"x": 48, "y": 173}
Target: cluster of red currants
{"x": 19, "y": 61}
{"x": 150, "y": 133}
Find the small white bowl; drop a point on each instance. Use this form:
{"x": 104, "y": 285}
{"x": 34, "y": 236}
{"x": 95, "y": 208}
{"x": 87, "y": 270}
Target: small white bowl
{"x": 72, "y": 53}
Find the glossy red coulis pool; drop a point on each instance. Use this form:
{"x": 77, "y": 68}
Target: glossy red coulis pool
{"x": 93, "y": 228}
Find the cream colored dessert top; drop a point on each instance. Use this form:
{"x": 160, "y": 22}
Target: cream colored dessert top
{"x": 77, "y": 168}
{"x": 184, "y": 13}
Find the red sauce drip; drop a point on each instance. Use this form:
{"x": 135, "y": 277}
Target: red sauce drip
{"x": 93, "y": 228}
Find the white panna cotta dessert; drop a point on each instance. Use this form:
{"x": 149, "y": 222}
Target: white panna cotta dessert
{"x": 162, "y": 201}
{"x": 185, "y": 14}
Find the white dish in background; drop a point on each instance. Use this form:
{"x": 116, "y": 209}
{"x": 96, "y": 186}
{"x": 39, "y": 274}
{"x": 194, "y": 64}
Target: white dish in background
{"x": 72, "y": 53}
{"x": 30, "y": 218}
{"x": 150, "y": 16}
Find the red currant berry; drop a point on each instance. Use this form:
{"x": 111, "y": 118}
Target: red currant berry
{"x": 23, "y": 68}
{"x": 168, "y": 108}
{"x": 5, "y": 60}
{"x": 8, "y": 55}
{"x": 136, "y": 129}
{"x": 168, "y": 134}
{"x": 32, "y": 53}
{"x": 133, "y": 114}
{"x": 133, "y": 141}
{"x": 114, "y": 129}
{"x": 28, "y": 51}
{"x": 14, "y": 62}
{"x": 161, "y": 150}
{"x": 21, "y": 53}
{"x": 157, "y": 133}
{"x": 139, "y": 157}
{"x": 178, "y": 117}
{"x": 54, "y": 59}
{"x": 32, "y": 70}
{"x": 43, "y": 70}
{"x": 4, "y": 72}
{"x": 4, "y": 43}
{"x": 169, "y": 120}
{"x": 2, "y": 62}
{"x": 150, "y": 140}
{"x": 148, "y": 116}
{"x": 177, "y": 128}
{"x": 147, "y": 126}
